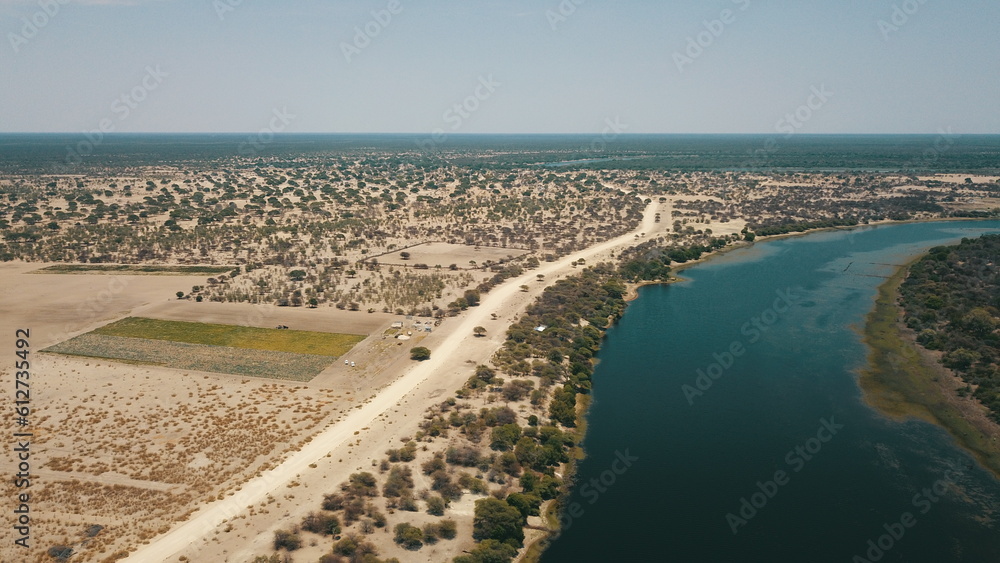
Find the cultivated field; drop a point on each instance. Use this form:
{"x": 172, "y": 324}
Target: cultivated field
{"x": 180, "y": 355}
{"x": 138, "y": 269}
{"x": 253, "y": 338}
{"x": 295, "y": 355}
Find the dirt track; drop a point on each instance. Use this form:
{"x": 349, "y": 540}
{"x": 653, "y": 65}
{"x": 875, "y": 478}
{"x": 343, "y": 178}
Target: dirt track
{"x": 448, "y": 352}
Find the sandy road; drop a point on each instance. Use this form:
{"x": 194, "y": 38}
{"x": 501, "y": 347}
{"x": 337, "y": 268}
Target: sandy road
{"x": 203, "y": 522}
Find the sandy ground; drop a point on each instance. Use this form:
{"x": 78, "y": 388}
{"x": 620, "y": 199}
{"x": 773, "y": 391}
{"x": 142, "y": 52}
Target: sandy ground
{"x": 335, "y": 425}
{"x": 443, "y": 254}
{"x": 370, "y": 428}
{"x": 151, "y": 432}
{"x": 960, "y": 178}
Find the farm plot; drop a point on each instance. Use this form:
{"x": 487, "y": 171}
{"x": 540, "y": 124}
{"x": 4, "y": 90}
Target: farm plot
{"x": 277, "y": 354}
{"x": 138, "y": 269}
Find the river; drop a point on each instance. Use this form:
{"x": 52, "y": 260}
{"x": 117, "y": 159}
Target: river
{"x": 727, "y": 424}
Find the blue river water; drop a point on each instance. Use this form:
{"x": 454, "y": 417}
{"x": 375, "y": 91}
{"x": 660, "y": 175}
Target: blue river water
{"x": 727, "y": 424}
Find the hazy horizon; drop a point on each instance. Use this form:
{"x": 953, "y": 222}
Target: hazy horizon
{"x": 555, "y": 67}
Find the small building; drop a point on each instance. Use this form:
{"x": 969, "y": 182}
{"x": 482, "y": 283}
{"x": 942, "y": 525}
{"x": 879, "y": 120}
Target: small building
{"x": 541, "y": 328}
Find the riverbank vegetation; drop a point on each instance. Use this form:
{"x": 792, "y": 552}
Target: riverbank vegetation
{"x": 951, "y": 299}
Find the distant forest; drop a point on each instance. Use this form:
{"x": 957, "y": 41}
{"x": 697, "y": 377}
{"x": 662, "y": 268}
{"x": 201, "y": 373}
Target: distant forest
{"x": 945, "y": 152}
{"x": 951, "y": 298}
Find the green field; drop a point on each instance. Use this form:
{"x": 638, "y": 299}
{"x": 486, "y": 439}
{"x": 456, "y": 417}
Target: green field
{"x": 181, "y": 355}
{"x": 296, "y": 355}
{"x": 141, "y": 269}
{"x": 252, "y": 338}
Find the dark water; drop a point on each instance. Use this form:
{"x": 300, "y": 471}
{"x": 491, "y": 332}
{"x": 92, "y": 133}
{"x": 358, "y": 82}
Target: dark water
{"x": 683, "y": 466}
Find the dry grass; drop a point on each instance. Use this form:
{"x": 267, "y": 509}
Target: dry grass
{"x": 252, "y": 338}
{"x": 181, "y": 355}
{"x": 139, "y": 269}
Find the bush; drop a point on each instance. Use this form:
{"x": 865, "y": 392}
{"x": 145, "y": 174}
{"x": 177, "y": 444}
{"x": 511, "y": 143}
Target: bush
{"x": 398, "y": 482}
{"x": 409, "y": 536}
{"x": 285, "y": 539}
{"x": 436, "y": 506}
{"x": 319, "y": 523}
{"x": 489, "y": 551}
{"x": 497, "y": 520}
{"x": 447, "y": 529}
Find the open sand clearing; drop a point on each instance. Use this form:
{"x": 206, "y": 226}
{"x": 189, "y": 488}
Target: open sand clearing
{"x": 444, "y": 254}
{"x": 136, "y": 448}
{"x": 450, "y": 354}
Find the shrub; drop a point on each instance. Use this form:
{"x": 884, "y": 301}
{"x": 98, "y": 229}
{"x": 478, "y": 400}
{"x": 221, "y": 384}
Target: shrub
{"x": 409, "y": 536}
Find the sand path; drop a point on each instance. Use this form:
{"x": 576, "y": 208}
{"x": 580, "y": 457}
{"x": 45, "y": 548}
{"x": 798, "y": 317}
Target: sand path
{"x": 203, "y": 522}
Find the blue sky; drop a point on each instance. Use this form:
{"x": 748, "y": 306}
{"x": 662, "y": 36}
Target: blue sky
{"x": 543, "y": 66}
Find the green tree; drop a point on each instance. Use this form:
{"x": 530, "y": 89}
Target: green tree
{"x": 436, "y": 506}
{"x": 420, "y": 353}
{"x": 488, "y": 551}
{"x": 495, "y": 519}
{"x": 527, "y": 504}
{"x": 504, "y": 437}
{"x": 409, "y": 536}
{"x": 485, "y": 373}
{"x": 284, "y": 539}
{"x": 979, "y": 322}
{"x": 479, "y": 331}
{"x": 472, "y": 297}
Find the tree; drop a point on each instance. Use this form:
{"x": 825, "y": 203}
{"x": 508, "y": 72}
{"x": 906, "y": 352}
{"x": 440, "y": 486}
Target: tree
{"x": 485, "y": 373}
{"x": 404, "y": 255}
{"x": 180, "y": 294}
{"x": 297, "y": 275}
{"x": 527, "y": 504}
{"x": 979, "y": 322}
{"x": 479, "y": 331}
{"x": 284, "y": 539}
{"x": 489, "y": 551}
{"x": 436, "y": 506}
{"x": 496, "y": 520}
{"x": 321, "y": 523}
{"x": 472, "y": 297}
{"x": 420, "y": 353}
{"x": 409, "y": 536}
